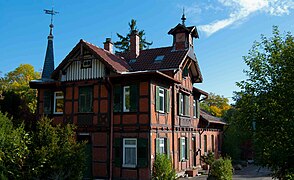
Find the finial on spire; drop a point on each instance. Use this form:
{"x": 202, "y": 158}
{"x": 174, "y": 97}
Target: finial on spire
{"x": 52, "y": 13}
{"x": 183, "y": 17}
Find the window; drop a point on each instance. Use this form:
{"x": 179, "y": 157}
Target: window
{"x": 125, "y": 98}
{"x": 183, "y": 148}
{"x": 162, "y": 146}
{"x": 162, "y": 99}
{"x": 87, "y": 63}
{"x": 219, "y": 143}
{"x": 86, "y": 99}
{"x": 205, "y": 143}
{"x": 47, "y": 102}
{"x": 129, "y": 152}
{"x": 185, "y": 72}
{"x": 58, "y": 102}
{"x": 126, "y": 101}
{"x": 158, "y": 58}
{"x": 184, "y": 104}
{"x": 194, "y": 108}
{"x": 212, "y": 143}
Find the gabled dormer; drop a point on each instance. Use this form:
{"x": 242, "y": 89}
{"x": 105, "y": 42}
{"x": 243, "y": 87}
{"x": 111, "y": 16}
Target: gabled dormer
{"x": 87, "y": 61}
{"x": 183, "y": 36}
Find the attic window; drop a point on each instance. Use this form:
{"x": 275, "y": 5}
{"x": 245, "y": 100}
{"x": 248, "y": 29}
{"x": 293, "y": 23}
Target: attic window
{"x": 159, "y": 58}
{"x": 132, "y": 60}
{"x": 87, "y": 63}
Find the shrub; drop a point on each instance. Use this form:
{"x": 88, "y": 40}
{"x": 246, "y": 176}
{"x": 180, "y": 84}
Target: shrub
{"x": 221, "y": 169}
{"x": 208, "y": 159}
{"x": 162, "y": 168}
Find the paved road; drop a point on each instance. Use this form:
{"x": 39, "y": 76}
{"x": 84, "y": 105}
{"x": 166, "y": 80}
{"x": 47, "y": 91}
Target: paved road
{"x": 251, "y": 172}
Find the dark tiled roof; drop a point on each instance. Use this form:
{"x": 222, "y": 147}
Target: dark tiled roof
{"x": 146, "y": 59}
{"x": 210, "y": 118}
{"x": 117, "y": 63}
{"x": 48, "y": 67}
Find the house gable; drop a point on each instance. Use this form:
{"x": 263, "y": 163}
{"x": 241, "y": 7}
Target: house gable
{"x": 87, "y": 61}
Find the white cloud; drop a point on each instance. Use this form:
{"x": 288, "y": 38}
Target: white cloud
{"x": 242, "y": 9}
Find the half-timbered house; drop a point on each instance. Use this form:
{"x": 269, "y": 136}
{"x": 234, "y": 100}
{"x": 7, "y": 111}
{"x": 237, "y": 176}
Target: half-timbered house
{"x": 131, "y": 106}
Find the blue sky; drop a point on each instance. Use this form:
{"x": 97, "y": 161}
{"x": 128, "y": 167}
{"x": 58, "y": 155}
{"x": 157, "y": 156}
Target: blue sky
{"x": 227, "y": 30}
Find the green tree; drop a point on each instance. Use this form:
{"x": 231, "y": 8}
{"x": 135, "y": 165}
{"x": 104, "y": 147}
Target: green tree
{"x": 55, "y": 152}
{"x": 14, "y": 151}
{"x": 215, "y": 104}
{"x": 49, "y": 152}
{"x": 266, "y": 96}
{"x": 123, "y": 45}
{"x": 17, "y": 81}
{"x": 162, "y": 168}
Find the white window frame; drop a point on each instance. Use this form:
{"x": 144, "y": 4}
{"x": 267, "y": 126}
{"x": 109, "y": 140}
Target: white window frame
{"x": 194, "y": 108}
{"x": 162, "y": 145}
{"x": 161, "y": 98}
{"x": 56, "y": 97}
{"x": 124, "y": 153}
{"x": 124, "y": 98}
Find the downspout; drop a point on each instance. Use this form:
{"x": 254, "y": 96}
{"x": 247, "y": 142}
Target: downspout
{"x": 110, "y": 91}
{"x": 201, "y": 132}
{"x": 173, "y": 123}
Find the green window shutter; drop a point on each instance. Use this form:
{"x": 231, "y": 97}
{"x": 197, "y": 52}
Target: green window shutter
{"x": 157, "y": 99}
{"x": 168, "y": 148}
{"x": 197, "y": 109}
{"x": 167, "y": 101}
{"x": 142, "y": 152}
{"x": 157, "y": 145}
{"x": 187, "y": 105}
{"x": 180, "y": 148}
{"x": 134, "y": 97}
{"x": 117, "y": 105}
{"x": 187, "y": 148}
{"x": 117, "y": 156}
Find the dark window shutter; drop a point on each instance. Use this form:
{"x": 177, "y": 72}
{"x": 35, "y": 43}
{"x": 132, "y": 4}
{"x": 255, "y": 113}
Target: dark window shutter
{"x": 180, "y": 149}
{"x": 142, "y": 152}
{"x": 117, "y": 155}
{"x": 157, "y": 99}
{"x": 157, "y": 145}
{"x": 134, "y": 97}
{"x": 167, "y": 101}
{"x": 197, "y": 109}
{"x": 117, "y": 99}
{"x": 187, "y": 105}
{"x": 168, "y": 148}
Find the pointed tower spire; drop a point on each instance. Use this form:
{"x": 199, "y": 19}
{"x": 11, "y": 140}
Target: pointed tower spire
{"x": 183, "y": 17}
{"x": 48, "y": 67}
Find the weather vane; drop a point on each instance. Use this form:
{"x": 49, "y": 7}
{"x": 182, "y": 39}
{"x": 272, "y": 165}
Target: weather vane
{"x": 52, "y": 13}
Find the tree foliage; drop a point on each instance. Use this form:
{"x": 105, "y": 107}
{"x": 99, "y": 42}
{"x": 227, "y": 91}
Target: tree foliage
{"x": 123, "y": 45}
{"x": 17, "y": 81}
{"x": 266, "y": 99}
{"x": 221, "y": 169}
{"x": 215, "y": 104}
{"x": 49, "y": 152}
{"x": 162, "y": 168}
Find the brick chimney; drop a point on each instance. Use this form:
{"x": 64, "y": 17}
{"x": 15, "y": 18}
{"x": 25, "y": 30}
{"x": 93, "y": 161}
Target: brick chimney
{"x": 134, "y": 44}
{"x": 108, "y": 45}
